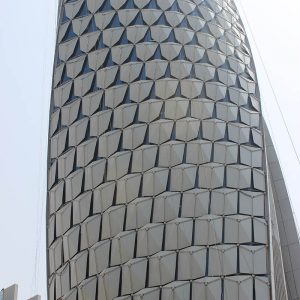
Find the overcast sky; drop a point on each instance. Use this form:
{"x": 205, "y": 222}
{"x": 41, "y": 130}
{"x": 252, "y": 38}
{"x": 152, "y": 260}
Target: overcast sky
{"x": 27, "y": 35}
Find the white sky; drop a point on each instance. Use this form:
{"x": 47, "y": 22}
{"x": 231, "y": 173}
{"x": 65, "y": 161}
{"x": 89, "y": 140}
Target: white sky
{"x": 27, "y": 35}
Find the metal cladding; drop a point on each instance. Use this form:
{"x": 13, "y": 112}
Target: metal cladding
{"x": 157, "y": 174}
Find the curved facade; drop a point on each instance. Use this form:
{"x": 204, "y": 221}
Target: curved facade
{"x": 157, "y": 170}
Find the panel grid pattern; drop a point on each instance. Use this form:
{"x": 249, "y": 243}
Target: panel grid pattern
{"x": 156, "y": 171}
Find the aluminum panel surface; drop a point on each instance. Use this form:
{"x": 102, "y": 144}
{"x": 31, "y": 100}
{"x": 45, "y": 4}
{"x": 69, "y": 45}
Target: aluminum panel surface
{"x": 157, "y": 179}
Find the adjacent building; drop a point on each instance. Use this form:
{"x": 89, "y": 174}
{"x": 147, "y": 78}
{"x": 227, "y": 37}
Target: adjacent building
{"x": 163, "y": 182}
{"x": 11, "y": 293}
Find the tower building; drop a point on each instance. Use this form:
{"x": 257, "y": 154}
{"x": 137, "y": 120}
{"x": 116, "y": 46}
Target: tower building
{"x": 163, "y": 182}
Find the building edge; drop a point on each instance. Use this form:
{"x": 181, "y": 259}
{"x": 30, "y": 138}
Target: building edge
{"x": 285, "y": 238}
